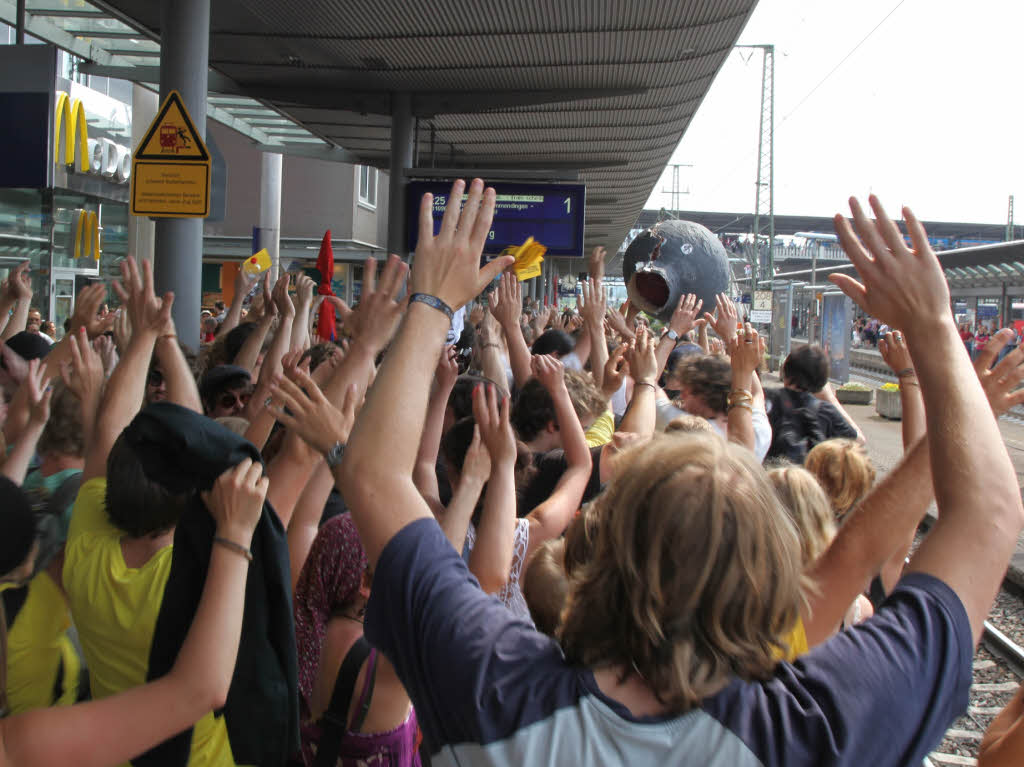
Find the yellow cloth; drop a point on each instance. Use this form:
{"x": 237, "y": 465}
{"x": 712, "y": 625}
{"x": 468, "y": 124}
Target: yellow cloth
{"x": 115, "y": 608}
{"x": 601, "y": 431}
{"x": 37, "y": 644}
{"x": 796, "y": 642}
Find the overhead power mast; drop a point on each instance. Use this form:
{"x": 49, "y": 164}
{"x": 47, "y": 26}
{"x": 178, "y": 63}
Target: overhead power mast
{"x": 764, "y": 200}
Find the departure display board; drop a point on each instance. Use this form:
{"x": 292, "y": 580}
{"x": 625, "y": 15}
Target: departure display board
{"x": 552, "y": 214}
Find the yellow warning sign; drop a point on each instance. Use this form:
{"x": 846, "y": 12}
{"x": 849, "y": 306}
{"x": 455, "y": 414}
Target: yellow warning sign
{"x": 171, "y": 166}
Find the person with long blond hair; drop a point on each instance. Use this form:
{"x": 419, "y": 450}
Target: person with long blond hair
{"x": 844, "y": 471}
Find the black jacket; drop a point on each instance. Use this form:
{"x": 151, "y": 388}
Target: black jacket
{"x": 186, "y": 452}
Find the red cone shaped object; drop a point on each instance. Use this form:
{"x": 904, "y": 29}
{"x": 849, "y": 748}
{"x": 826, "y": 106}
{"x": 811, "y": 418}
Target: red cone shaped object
{"x": 325, "y": 327}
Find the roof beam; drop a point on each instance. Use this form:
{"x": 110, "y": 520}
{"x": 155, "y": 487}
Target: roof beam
{"x": 216, "y": 82}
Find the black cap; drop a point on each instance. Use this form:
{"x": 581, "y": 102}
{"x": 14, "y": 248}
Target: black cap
{"x": 217, "y": 379}
{"x": 29, "y": 346}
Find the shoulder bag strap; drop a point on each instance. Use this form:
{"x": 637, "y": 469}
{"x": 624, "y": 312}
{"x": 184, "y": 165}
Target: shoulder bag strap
{"x": 334, "y": 722}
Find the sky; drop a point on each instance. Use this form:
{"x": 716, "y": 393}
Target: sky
{"x": 923, "y": 113}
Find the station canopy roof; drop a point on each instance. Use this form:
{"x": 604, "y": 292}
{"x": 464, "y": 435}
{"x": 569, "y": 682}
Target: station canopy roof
{"x": 603, "y": 87}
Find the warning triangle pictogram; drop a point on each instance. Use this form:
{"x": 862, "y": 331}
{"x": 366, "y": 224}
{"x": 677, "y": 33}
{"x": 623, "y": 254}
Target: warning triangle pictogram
{"x": 172, "y": 137}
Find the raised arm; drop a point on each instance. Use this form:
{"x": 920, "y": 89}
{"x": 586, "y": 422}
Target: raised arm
{"x": 243, "y": 284}
{"x": 745, "y": 354}
{"x": 83, "y": 374}
{"x": 9, "y": 290}
{"x": 507, "y": 307}
{"x": 491, "y": 560}
{"x": 20, "y": 283}
{"x": 551, "y": 517}
{"x": 681, "y": 323}
{"x": 304, "y": 289}
{"x": 15, "y": 466}
{"x": 492, "y": 363}
{"x": 381, "y": 494}
{"x": 118, "y": 728}
{"x": 1003, "y": 744}
{"x": 971, "y": 543}
{"x": 476, "y": 470}
{"x": 250, "y": 352}
{"x": 127, "y": 386}
{"x": 593, "y": 305}
{"x": 181, "y": 384}
{"x": 425, "y": 473}
{"x": 642, "y": 416}
{"x": 893, "y": 349}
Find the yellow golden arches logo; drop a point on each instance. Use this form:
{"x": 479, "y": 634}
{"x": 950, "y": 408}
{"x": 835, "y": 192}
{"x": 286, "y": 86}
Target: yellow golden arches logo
{"x": 87, "y": 235}
{"x": 74, "y": 112}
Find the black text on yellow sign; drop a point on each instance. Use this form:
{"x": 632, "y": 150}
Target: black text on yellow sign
{"x": 171, "y": 167}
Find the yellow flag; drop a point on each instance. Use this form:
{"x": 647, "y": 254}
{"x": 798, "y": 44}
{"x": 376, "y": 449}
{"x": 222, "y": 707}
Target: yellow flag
{"x": 529, "y": 257}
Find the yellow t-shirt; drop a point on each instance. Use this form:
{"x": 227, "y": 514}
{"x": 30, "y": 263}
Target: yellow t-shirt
{"x": 115, "y": 608}
{"x": 37, "y": 645}
{"x": 796, "y": 642}
{"x": 601, "y": 431}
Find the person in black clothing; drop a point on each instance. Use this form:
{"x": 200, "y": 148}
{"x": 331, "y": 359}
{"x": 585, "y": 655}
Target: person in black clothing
{"x": 799, "y": 419}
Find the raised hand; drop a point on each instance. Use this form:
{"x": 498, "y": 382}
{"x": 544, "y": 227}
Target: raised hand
{"x": 86, "y": 313}
{"x": 615, "y": 370}
{"x": 557, "y": 320}
{"x": 299, "y": 404}
{"x": 39, "y": 394}
{"x": 620, "y": 324}
{"x": 13, "y": 366}
{"x": 244, "y": 282}
{"x": 343, "y": 310}
{"x": 901, "y": 286}
{"x": 492, "y": 419}
{"x": 685, "y": 315}
{"x": 725, "y": 319}
{"x": 746, "y": 350}
{"x": 595, "y": 263}
{"x": 507, "y": 301}
{"x": 1000, "y": 382}
{"x": 282, "y": 301}
{"x": 893, "y": 349}
{"x": 104, "y": 346}
{"x": 476, "y": 467}
{"x": 549, "y": 370}
{"x": 83, "y": 374}
{"x": 122, "y": 330}
{"x": 476, "y": 315}
{"x": 447, "y": 368}
{"x": 236, "y": 501}
{"x": 18, "y": 285}
{"x": 448, "y": 265}
{"x": 147, "y": 313}
{"x": 305, "y": 286}
{"x": 593, "y": 301}
{"x": 641, "y": 357}
{"x": 374, "y": 321}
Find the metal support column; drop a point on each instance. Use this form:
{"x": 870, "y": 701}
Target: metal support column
{"x": 401, "y": 160}
{"x": 270, "y": 209}
{"x": 184, "y": 61}
{"x": 19, "y": 22}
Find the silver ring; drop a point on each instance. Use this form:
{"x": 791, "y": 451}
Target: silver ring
{"x": 268, "y": 402}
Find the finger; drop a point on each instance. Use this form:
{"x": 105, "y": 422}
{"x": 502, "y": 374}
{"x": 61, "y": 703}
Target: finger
{"x": 699, "y": 305}
{"x": 869, "y": 233}
{"x": 851, "y": 288}
{"x": 493, "y": 269}
{"x": 450, "y": 220}
{"x": 991, "y": 351}
{"x": 348, "y": 405}
{"x": 287, "y": 395}
{"x": 252, "y": 476}
{"x": 479, "y": 407}
{"x": 165, "y": 306}
{"x": 883, "y": 346}
{"x": 504, "y": 411}
{"x": 852, "y": 246}
{"x": 482, "y": 224}
{"x": 887, "y": 227}
{"x": 426, "y": 218}
{"x": 471, "y": 209}
{"x": 390, "y": 279}
{"x": 492, "y": 403}
{"x": 918, "y": 236}
{"x": 369, "y": 276}
{"x": 147, "y": 278}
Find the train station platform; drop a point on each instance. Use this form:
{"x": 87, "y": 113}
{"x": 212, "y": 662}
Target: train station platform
{"x": 885, "y": 446}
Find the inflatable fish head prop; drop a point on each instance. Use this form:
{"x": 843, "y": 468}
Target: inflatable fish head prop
{"x": 673, "y": 259}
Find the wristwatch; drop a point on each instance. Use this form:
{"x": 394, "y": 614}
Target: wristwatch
{"x": 335, "y": 454}
{"x": 673, "y": 335}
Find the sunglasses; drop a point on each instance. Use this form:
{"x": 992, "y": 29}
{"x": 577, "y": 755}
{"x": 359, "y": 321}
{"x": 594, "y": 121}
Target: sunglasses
{"x": 229, "y": 399}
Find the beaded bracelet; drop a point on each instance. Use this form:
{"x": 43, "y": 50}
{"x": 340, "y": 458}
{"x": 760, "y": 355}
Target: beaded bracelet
{"x": 433, "y": 302}
{"x": 235, "y": 547}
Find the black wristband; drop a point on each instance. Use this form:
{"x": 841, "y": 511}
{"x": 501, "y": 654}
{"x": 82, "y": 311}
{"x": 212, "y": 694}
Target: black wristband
{"x": 434, "y": 302}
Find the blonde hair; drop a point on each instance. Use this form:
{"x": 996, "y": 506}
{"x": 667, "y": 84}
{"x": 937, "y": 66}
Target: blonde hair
{"x": 843, "y": 470}
{"x": 808, "y": 507}
{"x": 695, "y": 576}
{"x": 545, "y": 586}
{"x": 689, "y": 424}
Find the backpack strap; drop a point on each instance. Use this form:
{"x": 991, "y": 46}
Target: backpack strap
{"x": 334, "y": 722}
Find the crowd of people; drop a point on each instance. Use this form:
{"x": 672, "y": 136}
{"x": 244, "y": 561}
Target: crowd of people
{"x": 552, "y": 537}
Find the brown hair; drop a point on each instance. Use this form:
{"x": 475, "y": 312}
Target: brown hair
{"x": 580, "y": 536}
{"x": 545, "y": 586}
{"x": 707, "y": 376}
{"x": 695, "y": 575}
{"x": 808, "y": 507}
{"x": 587, "y": 399}
{"x": 689, "y": 424}
{"x": 844, "y": 470}
{"x": 63, "y": 434}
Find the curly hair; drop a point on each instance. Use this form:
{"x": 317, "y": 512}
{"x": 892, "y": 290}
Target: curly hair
{"x": 707, "y": 376}
{"x": 62, "y": 434}
{"x": 844, "y": 471}
{"x": 696, "y": 572}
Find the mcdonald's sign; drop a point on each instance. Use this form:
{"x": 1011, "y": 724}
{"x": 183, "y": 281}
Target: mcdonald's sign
{"x": 71, "y": 113}
{"x": 87, "y": 235}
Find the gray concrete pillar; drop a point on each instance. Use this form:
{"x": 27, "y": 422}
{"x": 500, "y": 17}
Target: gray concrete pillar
{"x": 270, "y": 209}
{"x": 184, "y": 61}
{"x": 401, "y": 159}
{"x": 142, "y": 230}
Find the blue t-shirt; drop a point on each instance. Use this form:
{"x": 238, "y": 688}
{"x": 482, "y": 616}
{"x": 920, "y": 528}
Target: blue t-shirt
{"x": 490, "y": 690}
